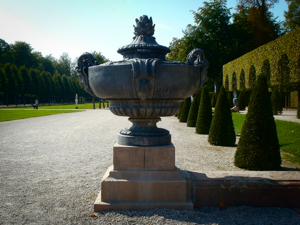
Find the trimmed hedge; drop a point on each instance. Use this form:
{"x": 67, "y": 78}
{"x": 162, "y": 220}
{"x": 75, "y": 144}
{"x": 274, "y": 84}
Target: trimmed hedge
{"x": 185, "y": 110}
{"x": 192, "y": 117}
{"x": 267, "y": 59}
{"x": 258, "y": 147}
{"x": 222, "y": 130}
{"x": 204, "y": 113}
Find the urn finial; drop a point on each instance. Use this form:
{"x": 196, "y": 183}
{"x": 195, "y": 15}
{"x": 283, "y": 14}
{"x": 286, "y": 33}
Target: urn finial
{"x": 144, "y": 26}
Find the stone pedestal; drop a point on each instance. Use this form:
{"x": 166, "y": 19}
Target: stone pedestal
{"x": 144, "y": 178}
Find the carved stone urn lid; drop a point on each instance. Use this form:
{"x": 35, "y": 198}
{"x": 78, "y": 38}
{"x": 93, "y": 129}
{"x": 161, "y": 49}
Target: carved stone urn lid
{"x": 144, "y": 45}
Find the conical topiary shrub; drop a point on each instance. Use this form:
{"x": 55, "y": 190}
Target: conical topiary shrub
{"x": 276, "y": 101}
{"x": 204, "y": 113}
{"x": 213, "y": 99}
{"x": 298, "y": 110}
{"x": 242, "y": 101}
{"x": 258, "y": 148}
{"x": 230, "y": 99}
{"x": 222, "y": 130}
{"x": 185, "y": 110}
{"x": 178, "y": 114}
{"x": 192, "y": 117}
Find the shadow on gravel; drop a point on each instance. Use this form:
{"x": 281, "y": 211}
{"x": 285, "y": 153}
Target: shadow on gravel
{"x": 206, "y": 215}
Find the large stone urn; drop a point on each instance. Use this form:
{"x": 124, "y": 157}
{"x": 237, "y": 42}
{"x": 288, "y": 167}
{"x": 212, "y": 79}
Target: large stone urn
{"x": 144, "y": 87}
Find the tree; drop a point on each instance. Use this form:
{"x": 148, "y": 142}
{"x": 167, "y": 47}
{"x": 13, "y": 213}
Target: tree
{"x": 10, "y": 71}
{"x": 3, "y": 82}
{"x": 5, "y": 53}
{"x": 63, "y": 65}
{"x": 185, "y": 110}
{"x": 192, "y": 117}
{"x": 99, "y": 57}
{"x": 26, "y": 81}
{"x": 222, "y": 130}
{"x": 292, "y": 16}
{"x": 258, "y": 147}
{"x": 34, "y": 82}
{"x": 204, "y": 116}
{"x": 263, "y": 26}
{"x": 22, "y": 55}
{"x": 212, "y": 33}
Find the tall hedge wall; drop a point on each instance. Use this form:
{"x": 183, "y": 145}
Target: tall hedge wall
{"x": 283, "y": 50}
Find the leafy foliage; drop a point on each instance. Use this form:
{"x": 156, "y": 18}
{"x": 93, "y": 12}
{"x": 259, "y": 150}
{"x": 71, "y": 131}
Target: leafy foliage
{"x": 258, "y": 147}
{"x": 222, "y": 130}
{"x": 204, "y": 116}
{"x": 292, "y": 15}
{"x": 25, "y": 73}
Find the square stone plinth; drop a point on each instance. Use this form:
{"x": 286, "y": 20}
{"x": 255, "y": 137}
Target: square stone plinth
{"x": 123, "y": 190}
{"x": 144, "y": 158}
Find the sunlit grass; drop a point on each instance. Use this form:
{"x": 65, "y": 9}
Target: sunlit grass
{"x": 6, "y": 115}
{"x": 60, "y": 106}
{"x": 288, "y": 135}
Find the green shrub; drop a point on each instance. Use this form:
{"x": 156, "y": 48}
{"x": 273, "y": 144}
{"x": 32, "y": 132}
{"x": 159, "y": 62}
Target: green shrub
{"x": 204, "y": 113}
{"x": 222, "y": 130}
{"x": 258, "y": 148}
{"x": 230, "y": 98}
{"x": 276, "y": 101}
{"x": 298, "y": 110}
{"x": 242, "y": 101}
{"x": 213, "y": 99}
{"x": 192, "y": 117}
{"x": 185, "y": 110}
{"x": 178, "y": 114}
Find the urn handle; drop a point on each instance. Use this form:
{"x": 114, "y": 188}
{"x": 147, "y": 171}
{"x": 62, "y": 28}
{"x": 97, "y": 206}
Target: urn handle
{"x": 84, "y": 62}
{"x": 197, "y": 58}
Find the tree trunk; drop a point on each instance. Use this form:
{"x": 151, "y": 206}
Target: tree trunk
{"x": 99, "y": 103}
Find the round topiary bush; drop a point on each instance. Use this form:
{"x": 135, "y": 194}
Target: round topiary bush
{"x": 242, "y": 101}
{"x": 276, "y": 101}
{"x": 204, "y": 113}
{"x": 192, "y": 117}
{"x": 185, "y": 110}
{"x": 222, "y": 130}
{"x": 258, "y": 148}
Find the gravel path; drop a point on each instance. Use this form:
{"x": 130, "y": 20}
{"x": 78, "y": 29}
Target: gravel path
{"x": 52, "y": 166}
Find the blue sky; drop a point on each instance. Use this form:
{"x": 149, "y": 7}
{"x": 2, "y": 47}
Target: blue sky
{"x": 77, "y": 26}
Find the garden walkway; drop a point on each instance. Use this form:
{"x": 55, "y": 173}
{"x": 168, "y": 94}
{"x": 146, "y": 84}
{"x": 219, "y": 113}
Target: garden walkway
{"x": 52, "y": 166}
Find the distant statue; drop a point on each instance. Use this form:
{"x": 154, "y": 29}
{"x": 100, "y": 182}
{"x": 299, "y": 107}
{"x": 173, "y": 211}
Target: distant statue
{"x": 235, "y": 101}
{"x": 76, "y": 101}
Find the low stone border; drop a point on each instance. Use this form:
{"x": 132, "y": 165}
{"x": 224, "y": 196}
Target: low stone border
{"x": 246, "y": 188}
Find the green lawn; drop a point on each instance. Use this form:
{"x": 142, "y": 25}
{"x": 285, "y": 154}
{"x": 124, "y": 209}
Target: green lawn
{"x": 288, "y": 135}
{"x": 60, "y": 106}
{"x": 7, "y": 114}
